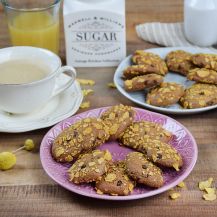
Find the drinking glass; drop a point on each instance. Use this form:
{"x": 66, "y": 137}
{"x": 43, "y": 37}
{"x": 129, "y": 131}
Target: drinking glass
{"x": 33, "y": 23}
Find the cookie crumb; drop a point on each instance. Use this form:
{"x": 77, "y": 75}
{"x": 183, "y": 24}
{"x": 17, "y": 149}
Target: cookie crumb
{"x": 85, "y": 105}
{"x": 111, "y": 85}
{"x": 174, "y": 195}
{"x": 86, "y": 81}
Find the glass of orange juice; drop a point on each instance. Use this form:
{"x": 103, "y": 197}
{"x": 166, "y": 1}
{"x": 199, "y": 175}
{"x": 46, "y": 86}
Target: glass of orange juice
{"x": 34, "y": 23}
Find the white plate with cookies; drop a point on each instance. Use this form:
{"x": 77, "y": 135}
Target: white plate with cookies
{"x": 139, "y": 97}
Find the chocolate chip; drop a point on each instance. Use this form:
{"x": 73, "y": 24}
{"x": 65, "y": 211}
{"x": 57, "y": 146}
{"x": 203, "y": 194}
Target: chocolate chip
{"x": 159, "y": 156}
{"x": 83, "y": 166}
{"x": 202, "y": 93}
{"x": 144, "y": 166}
{"x": 119, "y": 183}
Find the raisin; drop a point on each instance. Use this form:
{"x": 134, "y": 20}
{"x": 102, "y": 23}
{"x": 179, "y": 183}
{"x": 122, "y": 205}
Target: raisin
{"x": 144, "y": 166}
{"x": 83, "y": 166}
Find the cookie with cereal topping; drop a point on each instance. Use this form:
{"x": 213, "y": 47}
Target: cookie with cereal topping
{"x": 166, "y": 94}
{"x": 179, "y": 61}
{"x": 156, "y": 150}
{"x": 79, "y": 138}
{"x": 203, "y": 75}
{"x": 199, "y": 96}
{"x": 148, "y": 130}
{"x": 115, "y": 182}
{"x": 208, "y": 61}
{"x": 142, "y": 82}
{"x": 117, "y": 119}
{"x": 138, "y": 70}
{"x": 90, "y": 167}
{"x": 143, "y": 171}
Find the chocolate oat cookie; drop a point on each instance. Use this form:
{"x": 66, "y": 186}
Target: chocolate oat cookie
{"x": 115, "y": 182}
{"x": 138, "y": 70}
{"x": 79, "y": 138}
{"x": 143, "y": 171}
{"x": 203, "y": 75}
{"x": 179, "y": 61}
{"x": 208, "y": 61}
{"x": 117, "y": 119}
{"x": 142, "y": 82}
{"x": 154, "y": 149}
{"x": 168, "y": 93}
{"x": 199, "y": 96}
{"x": 90, "y": 167}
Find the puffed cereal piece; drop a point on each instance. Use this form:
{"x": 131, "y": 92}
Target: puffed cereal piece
{"x": 179, "y": 61}
{"x": 199, "y": 96}
{"x": 203, "y": 75}
{"x": 208, "y": 61}
{"x": 81, "y": 137}
{"x": 115, "y": 182}
{"x": 90, "y": 167}
{"x": 142, "y": 82}
{"x": 168, "y": 93}
{"x": 118, "y": 118}
{"x": 143, "y": 171}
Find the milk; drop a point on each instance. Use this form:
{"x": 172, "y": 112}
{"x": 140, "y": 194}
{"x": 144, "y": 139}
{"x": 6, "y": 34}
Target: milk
{"x": 95, "y": 32}
{"x": 200, "y": 22}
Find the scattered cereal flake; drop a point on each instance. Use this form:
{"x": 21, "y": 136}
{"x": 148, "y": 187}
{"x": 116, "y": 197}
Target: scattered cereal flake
{"x": 99, "y": 192}
{"x": 210, "y": 190}
{"x": 111, "y": 85}
{"x": 181, "y": 185}
{"x": 86, "y": 81}
{"x": 209, "y": 197}
{"x": 175, "y": 195}
{"x": 29, "y": 145}
{"x": 85, "y": 105}
{"x": 205, "y": 184}
{"x": 176, "y": 166}
{"x": 7, "y": 160}
{"x": 87, "y": 92}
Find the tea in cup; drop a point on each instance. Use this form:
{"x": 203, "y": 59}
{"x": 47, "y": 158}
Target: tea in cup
{"x": 28, "y": 78}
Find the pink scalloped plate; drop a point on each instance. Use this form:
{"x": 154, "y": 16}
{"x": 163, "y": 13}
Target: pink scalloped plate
{"x": 182, "y": 140}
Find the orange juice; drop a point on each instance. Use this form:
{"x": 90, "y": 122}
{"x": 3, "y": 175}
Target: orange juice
{"x": 36, "y": 29}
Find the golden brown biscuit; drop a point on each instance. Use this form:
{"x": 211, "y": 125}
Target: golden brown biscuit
{"x": 179, "y": 61}
{"x": 208, "y": 61}
{"x": 118, "y": 118}
{"x": 115, "y": 182}
{"x": 142, "y": 82}
{"x": 199, "y": 96}
{"x": 90, "y": 167}
{"x": 143, "y": 171}
{"x": 81, "y": 137}
{"x": 168, "y": 93}
{"x": 203, "y": 75}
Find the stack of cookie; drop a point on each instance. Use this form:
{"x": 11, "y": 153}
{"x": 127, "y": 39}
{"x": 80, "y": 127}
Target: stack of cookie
{"x": 76, "y": 145}
{"x": 149, "y": 69}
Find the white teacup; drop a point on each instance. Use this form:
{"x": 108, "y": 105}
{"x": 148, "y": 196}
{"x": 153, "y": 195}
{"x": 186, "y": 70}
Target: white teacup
{"x": 27, "y": 97}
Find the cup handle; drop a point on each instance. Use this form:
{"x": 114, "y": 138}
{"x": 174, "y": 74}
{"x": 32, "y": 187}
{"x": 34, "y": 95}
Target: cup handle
{"x": 70, "y": 71}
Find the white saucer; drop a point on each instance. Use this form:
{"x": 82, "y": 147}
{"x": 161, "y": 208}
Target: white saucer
{"x": 60, "y": 107}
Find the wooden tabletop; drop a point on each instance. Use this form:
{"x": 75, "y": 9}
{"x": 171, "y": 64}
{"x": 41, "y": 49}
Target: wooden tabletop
{"x": 26, "y": 190}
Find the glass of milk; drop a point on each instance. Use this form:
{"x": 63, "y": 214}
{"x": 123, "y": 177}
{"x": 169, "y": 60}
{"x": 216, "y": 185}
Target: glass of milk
{"x": 200, "y": 22}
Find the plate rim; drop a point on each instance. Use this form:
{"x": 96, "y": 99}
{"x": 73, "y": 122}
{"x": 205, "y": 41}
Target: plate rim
{"x": 128, "y": 197}
{"x": 156, "y": 108}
